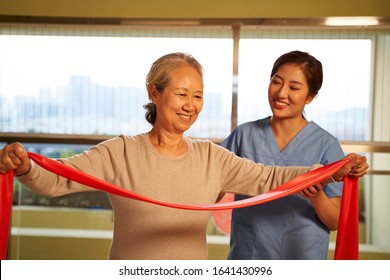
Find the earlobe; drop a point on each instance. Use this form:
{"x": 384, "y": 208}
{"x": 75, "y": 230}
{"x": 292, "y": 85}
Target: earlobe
{"x": 153, "y": 94}
{"x": 309, "y": 100}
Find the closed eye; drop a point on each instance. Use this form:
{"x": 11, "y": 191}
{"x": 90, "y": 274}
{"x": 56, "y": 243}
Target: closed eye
{"x": 276, "y": 82}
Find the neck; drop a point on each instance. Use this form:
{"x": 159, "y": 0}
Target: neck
{"x": 285, "y": 130}
{"x": 168, "y": 144}
{"x": 288, "y": 125}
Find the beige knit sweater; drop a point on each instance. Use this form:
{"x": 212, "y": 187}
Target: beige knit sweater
{"x": 146, "y": 231}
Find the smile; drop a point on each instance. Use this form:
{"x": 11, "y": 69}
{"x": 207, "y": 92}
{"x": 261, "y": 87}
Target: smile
{"x": 280, "y": 104}
{"x": 185, "y": 117}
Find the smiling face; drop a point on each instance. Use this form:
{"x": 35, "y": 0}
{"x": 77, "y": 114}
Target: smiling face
{"x": 179, "y": 105}
{"x": 288, "y": 92}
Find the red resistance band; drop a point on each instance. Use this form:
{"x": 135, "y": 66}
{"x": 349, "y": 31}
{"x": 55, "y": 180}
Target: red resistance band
{"x": 347, "y": 235}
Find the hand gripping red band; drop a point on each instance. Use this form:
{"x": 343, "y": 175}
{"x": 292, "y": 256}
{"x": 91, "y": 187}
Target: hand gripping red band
{"x": 291, "y": 187}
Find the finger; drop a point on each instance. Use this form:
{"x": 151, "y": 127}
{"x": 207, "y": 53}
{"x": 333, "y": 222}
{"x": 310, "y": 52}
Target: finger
{"x": 313, "y": 190}
{"x": 303, "y": 194}
{"x": 363, "y": 162}
{"x": 20, "y": 151}
{"x": 9, "y": 162}
{"x": 309, "y": 191}
{"x": 360, "y": 168}
{"x": 15, "y": 160}
{"x": 352, "y": 156}
{"x": 14, "y": 154}
{"x": 358, "y": 174}
{"x": 356, "y": 160}
{"x": 318, "y": 187}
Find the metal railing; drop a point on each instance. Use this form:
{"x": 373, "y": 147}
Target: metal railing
{"x": 367, "y": 147}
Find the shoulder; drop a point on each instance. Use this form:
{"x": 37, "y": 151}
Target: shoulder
{"x": 257, "y": 124}
{"x": 317, "y": 131}
{"x": 200, "y": 143}
{"x": 118, "y": 140}
{"x": 123, "y": 142}
{"x": 205, "y": 145}
{"x": 321, "y": 139}
{"x": 247, "y": 135}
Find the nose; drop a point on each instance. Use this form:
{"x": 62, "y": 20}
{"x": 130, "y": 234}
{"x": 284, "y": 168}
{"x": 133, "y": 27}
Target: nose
{"x": 189, "y": 105}
{"x": 282, "y": 91}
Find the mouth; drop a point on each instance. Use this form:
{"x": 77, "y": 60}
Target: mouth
{"x": 185, "y": 118}
{"x": 280, "y": 104}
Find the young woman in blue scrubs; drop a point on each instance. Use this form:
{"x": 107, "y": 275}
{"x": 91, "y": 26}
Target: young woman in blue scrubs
{"x": 298, "y": 226}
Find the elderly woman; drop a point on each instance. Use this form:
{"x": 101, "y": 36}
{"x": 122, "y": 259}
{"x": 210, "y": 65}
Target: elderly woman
{"x": 164, "y": 165}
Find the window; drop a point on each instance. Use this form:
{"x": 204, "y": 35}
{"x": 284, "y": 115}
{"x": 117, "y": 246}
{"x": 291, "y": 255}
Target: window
{"x": 90, "y": 80}
{"x": 96, "y": 85}
{"x": 80, "y": 82}
{"x": 342, "y": 106}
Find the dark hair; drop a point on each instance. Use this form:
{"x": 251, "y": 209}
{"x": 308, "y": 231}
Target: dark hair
{"x": 311, "y": 67}
{"x": 159, "y": 76}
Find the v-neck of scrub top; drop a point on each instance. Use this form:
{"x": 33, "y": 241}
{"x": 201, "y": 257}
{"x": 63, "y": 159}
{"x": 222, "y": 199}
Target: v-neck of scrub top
{"x": 291, "y": 146}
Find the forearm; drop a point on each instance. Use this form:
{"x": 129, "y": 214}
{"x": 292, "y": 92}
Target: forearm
{"x": 327, "y": 210}
{"x": 47, "y": 183}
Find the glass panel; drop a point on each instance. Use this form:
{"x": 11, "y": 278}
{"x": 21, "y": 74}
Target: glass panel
{"x": 96, "y": 85}
{"x": 342, "y": 106}
{"x": 75, "y": 226}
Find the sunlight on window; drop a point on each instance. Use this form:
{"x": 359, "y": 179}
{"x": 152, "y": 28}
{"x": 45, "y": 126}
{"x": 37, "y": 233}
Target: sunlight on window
{"x": 343, "y": 101}
{"x": 96, "y": 85}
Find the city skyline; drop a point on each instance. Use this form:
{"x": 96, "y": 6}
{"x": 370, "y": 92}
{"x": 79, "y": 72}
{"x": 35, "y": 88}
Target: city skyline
{"x": 85, "y": 107}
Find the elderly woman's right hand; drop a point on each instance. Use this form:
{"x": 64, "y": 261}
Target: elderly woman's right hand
{"x": 357, "y": 167}
{"x": 14, "y": 157}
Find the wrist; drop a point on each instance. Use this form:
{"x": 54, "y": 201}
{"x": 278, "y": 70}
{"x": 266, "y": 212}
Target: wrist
{"x": 30, "y": 167}
{"x": 329, "y": 180}
{"x": 25, "y": 173}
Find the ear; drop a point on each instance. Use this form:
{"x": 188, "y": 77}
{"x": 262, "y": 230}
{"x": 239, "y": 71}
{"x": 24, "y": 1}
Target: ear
{"x": 153, "y": 93}
{"x": 309, "y": 99}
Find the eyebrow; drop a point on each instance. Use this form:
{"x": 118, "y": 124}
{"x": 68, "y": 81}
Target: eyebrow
{"x": 186, "y": 89}
{"x": 298, "y": 83}
{"x": 295, "y": 82}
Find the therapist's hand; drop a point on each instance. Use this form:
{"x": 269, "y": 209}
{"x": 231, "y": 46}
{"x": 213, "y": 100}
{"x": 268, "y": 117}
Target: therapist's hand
{"x": 312, "y": 191}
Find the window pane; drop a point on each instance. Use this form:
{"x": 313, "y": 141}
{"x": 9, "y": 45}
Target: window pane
{"x": 96, "y": 85}
{"x": 343, "y": 101}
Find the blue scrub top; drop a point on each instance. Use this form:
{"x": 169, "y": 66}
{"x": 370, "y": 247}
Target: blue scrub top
{"x": 287, "y": 228}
